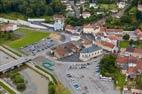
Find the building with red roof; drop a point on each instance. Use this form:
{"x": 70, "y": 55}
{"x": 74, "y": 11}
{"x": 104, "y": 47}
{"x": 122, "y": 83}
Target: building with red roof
{"x": 107, "y": 46}
{"x": 8, "y": 27}
{"x": 136, "y": 52}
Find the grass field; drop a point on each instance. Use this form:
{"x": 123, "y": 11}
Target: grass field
{"x": 124, "y": 44}
{"x": 28, "y": 37}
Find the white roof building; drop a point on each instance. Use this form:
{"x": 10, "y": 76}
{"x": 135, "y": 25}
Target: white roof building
{"x": 121, "y": 5}
{"x": 86, "y": 15}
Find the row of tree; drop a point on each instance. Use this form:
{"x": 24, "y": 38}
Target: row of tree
{"x": 32, "y": 7}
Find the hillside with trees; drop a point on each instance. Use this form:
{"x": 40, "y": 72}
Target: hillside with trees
{"x": 32, "y": 8}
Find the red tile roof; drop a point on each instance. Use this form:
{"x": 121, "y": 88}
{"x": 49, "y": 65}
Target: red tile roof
{"x": 113, "y": 37}
{"x": 139, "y": 64}
{"x": 138, "y": 50}
{"x": 114, "y": 30}
{"x": 103, "y": 29}
{"x": 134, "y": 50}
{"x": 69, "y": 27}
{"x": 138, "y": 32}
{"x": 71, "y": 46}
{"x": 60, "y": 50}
{"x": 126, "y": 59}
{"x": 107, "y": 44}
{"x": 131, "y": 70}
{"x": 122, "y": 60}
{"x": 58, "y": 17}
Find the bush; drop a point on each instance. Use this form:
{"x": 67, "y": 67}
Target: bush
{"x": 51, "y": 88}
{"x": 18, "y": 79}
{"x": 21, "y": 86}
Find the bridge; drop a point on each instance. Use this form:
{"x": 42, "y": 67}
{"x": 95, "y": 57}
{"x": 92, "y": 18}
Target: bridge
{"x": 12, "y": 64}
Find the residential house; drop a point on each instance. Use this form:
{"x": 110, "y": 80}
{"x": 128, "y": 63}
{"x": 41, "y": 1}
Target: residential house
{"x": 72, "y": 29}
{"x": 65, "y": 50}
{"x": 136, "y": 91}
{"x": 107, "y": 46}
{"x": 88, "y": 29}
{"x": 140, "y": 7}
{"x": 133, "y": 35}
{"x": 136, "y": 52}
{"x": 8, "y": 27}
{"x": 58, "y": 25}
{"x": 90, "y": 52}
{"x": 87, "y": 43}
{"x": 59, "y": 18}
{"x": 129, "y": 65}
{"x": 111, "y": 39}
{"x": 61, "y": 52}
{"x": 114, "y": 31}
{"x": 72, "y": 47}
{"x": 69, "y": 8}
{"x": 121, "y": 5}
{"x": 91, "y": 29}
{"x": 93, "y": 5}
{"x": 138, "y": 33}
{"x": 86, "y": 15}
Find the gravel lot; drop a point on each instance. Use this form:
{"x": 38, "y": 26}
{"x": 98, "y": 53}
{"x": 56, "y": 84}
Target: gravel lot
{"x": 37, "y": 84}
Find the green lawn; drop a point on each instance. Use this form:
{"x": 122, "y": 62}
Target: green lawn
{"x": 119, "y": 80}
{"x": 124, "y": 44}
{"x": 28, "y": 37}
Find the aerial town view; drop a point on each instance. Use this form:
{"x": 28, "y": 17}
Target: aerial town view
{"x": 70, "y": 46}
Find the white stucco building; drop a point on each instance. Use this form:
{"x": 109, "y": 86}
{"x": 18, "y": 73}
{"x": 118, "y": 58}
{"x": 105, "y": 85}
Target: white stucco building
{"x": 86, "y": 15}
{"x": 90, "y": 52}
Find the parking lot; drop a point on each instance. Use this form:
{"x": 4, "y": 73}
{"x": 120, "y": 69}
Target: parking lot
{"x": 85, "y": 79}
{"x": 39, "y": 46}
{"x": 5, "y": 58}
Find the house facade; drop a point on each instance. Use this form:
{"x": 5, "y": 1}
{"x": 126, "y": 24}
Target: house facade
{"x": 90, "y": 52}
{"x": 136, "y": 52}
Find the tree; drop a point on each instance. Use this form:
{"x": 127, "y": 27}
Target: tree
{"x": 81, "y": 10}
{"x": 131, "y": 42}
{"x": 32, "y": 8}
{"x": 126, "y": 37}
{"x": 21, "y": 86}
{"x": 51, "y": 88}
{"x": 107, "y": 65}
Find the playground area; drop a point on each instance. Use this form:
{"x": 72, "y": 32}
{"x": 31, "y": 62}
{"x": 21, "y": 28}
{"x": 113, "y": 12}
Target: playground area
{"x": 48, "y": 64}
{"x": 44, "y": 62}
